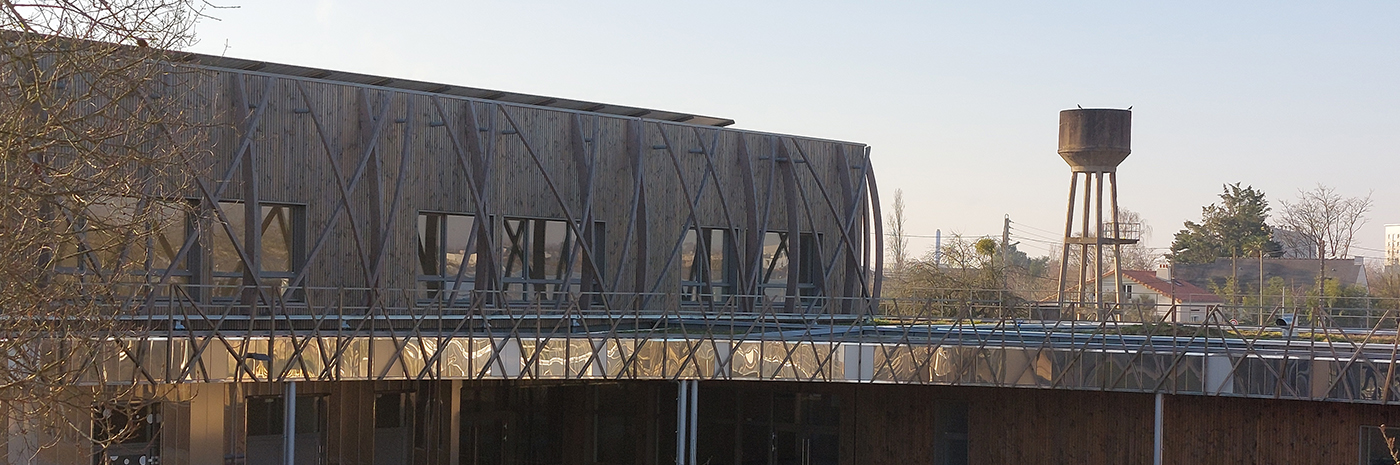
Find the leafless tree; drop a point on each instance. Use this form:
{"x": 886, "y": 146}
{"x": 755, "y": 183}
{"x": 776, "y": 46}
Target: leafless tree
{"x": 94, "y": 148}
{"x": 899, "y": 239}
{"x": 1136, "y": 256}
{"x": 1323, "y": 220}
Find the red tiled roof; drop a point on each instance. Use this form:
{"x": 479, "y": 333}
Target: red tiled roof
{"x": 1180, "y": 291}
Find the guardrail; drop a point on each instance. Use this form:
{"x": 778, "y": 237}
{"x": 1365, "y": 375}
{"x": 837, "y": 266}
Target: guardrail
{"x": 189, "y": 334}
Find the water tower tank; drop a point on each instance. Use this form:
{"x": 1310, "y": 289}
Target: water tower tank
{"x": 1095, "y": 139}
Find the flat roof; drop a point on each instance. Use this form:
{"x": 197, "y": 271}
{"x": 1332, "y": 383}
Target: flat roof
{"x": 239, "y": 64}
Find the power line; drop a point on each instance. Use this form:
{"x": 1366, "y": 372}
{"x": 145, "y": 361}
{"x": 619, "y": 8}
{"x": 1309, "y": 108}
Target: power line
{"x": 1037, "y": 236}
{"x": 1053, "y": 233}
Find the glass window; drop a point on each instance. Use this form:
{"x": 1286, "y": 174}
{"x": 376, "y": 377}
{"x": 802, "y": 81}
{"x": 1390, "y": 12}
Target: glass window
{"x": 544, "y": 259}
{"x": 447, "y": 254}
{"x": 266, "y": 422}
{"x": 123, "y": 240}
{"x": 1378, "y": 445}
{"x": 277, "y": 239}
{"x": 392, "y": 427}
{"x": 280, "y": 229}
{"x": 950, "y": 433}
{"x": 128, "y": 433}
{"x": 776, "y": 269}
{"x": 707, "y": 258}
{"x": 122, "y": 233}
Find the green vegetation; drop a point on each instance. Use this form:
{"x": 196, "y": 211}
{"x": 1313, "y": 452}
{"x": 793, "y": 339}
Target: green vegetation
{"x": 1236, "y": 227}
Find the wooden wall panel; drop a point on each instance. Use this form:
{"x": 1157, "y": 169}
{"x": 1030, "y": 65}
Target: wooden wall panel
{"x": 897, "y": 423}
{"x": 1261, "y": 431}
{"x": 413, "y": 153}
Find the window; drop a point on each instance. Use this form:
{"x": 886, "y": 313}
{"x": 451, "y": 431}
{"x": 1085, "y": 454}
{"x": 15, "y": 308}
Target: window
{"x": 706, "y": 265}
{"x": 266, "y": 422}
{"x": 950, "y": 433}
{"x": 775, "y": 272}
{"x": 281, "y": 229}
{"x": 446, "y": 255}
{"x": 123, "y": 239}
{"x": 1376, "y": 446}
{"x": 128, "y": 433}
{"x": 544, "y": 260}
{"x": 393, "y": 420}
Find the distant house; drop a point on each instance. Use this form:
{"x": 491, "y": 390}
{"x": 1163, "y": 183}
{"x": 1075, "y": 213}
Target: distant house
{"x": 1392, "y": 247}
{"x": 1293, "y": 243}
{"x": 1296, "y": 273}
{"x": 1162, "y": 293}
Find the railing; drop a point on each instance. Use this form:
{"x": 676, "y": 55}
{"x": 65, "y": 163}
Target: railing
{"x": 185, "y": 334}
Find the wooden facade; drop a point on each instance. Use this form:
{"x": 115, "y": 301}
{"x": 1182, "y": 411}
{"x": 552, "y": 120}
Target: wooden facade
{"x": 357, "y": 165}
{"x": 767, "y": 422}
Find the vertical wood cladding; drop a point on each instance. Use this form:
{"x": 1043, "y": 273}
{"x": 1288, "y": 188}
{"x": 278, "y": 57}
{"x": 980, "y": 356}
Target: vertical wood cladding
{"x": 1260, "y": 431}
{"x": 633, "y": 422}
{"x": 364, "y": 161}
{"x": 896, "y": 424}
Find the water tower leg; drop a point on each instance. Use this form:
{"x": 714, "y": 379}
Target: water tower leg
{"x": 1064, "y": 251}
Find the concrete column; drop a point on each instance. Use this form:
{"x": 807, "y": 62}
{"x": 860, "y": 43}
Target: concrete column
{"x": 694, "y": 415}
{"x": 1157, "y": 431}
{"x": 289, "y": 427}
{"x": 682, "y": 396}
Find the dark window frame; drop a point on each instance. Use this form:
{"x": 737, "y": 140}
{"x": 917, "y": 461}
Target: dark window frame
{"x": 143, "y": 431}
{"x": 1371, "y": 447}
{"x": 523, "y": 284}
{"x": 701, "y": 283}
{"x": 295, "y": 237}
{"x": 432, "y": 287}
{"x": 277, "y": 410}
{"x": 86, "y": 261}
{"x": 809, "y": 270}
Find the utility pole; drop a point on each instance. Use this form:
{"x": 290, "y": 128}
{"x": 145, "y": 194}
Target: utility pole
{"x": 1261, "y": 285}
{"x": 938, "y": 248}
{"x": 1005, "y": 258}
{"x": 1321, "y": 273}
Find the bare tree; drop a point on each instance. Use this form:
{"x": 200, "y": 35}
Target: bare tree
{"x": 1136, "y": 256}
{"x": 94, "y": 149}
{"x": 966, "y": 275}
{"x": 899, "y": 239}
{"x": 1323, "y": 220}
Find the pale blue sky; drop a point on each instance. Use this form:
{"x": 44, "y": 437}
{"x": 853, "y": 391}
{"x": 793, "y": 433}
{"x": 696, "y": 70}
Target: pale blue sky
{"x": 959, "y": 100}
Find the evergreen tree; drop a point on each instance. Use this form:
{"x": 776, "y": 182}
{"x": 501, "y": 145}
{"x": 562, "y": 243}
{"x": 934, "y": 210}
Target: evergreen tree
{"x": 1235, "y": 227}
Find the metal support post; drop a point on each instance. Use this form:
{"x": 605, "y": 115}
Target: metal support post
{"x": 694, "y": 417}
{"x": 682, "y": 395}
{"x": 289, "y": 426}
{"x": 1157, "y": 432}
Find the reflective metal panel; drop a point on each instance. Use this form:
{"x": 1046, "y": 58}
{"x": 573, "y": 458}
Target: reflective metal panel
{"x": 746, "y": 360}
{"x": 648, "y": 360}
{"x": 454, "y": 359}
{"x": 582, "y": 363}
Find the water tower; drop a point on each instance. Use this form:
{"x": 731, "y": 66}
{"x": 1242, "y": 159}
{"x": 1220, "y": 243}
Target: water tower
{"x": 1093, "y": 141}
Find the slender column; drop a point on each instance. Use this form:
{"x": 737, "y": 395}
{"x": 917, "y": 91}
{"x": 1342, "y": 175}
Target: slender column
{"x": 1157, "y": 432}
{"x": 1084, "y": 236}
{"x": 1098, "y": 246}
{"x": 289, "y": 425}
{"x": 694, "y": 417}
{"x": 1069, "y": 229}
{"x": 681, "y": 410}
{"x": 1118, "y": 246}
